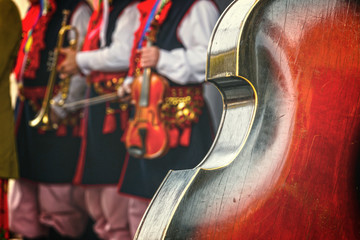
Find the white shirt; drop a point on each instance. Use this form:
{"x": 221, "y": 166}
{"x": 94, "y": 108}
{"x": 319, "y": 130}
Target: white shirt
{"x": 80, "y": 19}
{"x": 187, "y": 65}
{"x": 115, "y": 57}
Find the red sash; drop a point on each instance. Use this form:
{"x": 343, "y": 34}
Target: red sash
{"x": 4, "y": 221}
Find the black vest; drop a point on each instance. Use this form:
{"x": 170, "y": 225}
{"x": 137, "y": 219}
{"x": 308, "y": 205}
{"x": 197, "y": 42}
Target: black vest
{"x": 167, "y": 37}
{"x": 116, "y": 7}
{"x": 50, "y": 40}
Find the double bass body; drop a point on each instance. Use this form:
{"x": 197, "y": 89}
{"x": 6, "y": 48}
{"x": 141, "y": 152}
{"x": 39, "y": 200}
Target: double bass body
{"x": 284, "y": 161}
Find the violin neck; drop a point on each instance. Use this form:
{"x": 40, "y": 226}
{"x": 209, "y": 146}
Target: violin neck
{"x": 145, "y": 88}
{"x": 145, "y": 85}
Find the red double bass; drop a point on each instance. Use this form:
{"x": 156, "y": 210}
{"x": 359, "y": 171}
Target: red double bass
{"x": 285, "y": 161}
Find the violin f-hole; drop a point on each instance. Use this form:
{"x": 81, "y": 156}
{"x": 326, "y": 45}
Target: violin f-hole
{"x": 137, "y": 151}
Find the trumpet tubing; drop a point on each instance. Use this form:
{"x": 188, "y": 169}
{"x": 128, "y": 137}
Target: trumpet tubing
{"x": 42, "y": 119}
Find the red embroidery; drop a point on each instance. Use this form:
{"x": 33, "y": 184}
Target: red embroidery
{"x": 38, "y": 44}
{"x": 27, "y": 24}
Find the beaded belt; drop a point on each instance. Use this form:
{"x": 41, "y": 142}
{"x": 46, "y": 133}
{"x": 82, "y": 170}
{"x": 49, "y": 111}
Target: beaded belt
{"x": 182, "y": 106}
{"x": 106, "y": 82}
{"x": 35, "y": 96}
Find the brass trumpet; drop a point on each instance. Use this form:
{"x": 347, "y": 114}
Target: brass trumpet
{"x": 42, "y": 119}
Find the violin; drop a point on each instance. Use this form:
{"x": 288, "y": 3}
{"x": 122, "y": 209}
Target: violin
{"x": 284, "y": 163}
{"x": 147, "y": 135}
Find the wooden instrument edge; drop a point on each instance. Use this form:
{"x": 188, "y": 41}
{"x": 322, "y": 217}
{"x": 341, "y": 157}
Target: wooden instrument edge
{"x": 245, "y": 105}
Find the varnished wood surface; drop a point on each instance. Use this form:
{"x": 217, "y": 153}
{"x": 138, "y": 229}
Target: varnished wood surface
{"x": 285, "y": 160}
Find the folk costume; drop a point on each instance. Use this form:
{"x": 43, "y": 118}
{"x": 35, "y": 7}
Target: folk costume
{"x": 105, "y": 61}
{"x": 182, "y": 38}
{"x": 44, "y": 196}
{"x": 10, "y": 26}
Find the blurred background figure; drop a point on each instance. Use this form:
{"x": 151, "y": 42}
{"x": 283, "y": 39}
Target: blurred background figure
{"x": 43, "y": 203}
{"x": 104, "y": 59}
{"x": 178, "y": 59}
{"x": 10, "y": 32}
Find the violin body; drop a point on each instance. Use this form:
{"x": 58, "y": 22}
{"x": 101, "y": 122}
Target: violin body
{"x": 147, "y": 136}
{"x": 285, "y": 161}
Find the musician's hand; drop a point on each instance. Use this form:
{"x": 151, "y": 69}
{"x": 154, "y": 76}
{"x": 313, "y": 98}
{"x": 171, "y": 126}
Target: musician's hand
{"x": 124, "y": 92}
{"x": 54, "y": 118}
{"x": 68, "y": 66}
{"x": 149, "y": 56}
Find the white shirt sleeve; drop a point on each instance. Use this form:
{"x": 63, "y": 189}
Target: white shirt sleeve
{"x": 116, "y": 56}
{"x": 187, "y": 65}
{"x": 79, "y": 19}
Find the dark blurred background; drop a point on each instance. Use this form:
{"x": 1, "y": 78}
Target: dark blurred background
{"x": 223, "y": 3}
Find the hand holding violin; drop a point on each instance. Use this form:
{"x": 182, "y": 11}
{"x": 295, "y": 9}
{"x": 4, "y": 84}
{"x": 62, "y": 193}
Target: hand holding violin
{"x": 124, "y": 90}
{"x": 149, "y": 56}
